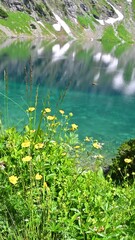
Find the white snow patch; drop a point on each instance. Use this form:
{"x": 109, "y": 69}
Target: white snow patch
{"x": 57, "y": 27}
{"x": 58, "y": 53}
{"x": 129, "y": 1}
{"x": 112, "y": 66}
{"x": 56, "y": 48}
{"x": 113, "y": 20}
{"x": 63, "y": 25}
{"x": 118, "y": 81}
{"x": 97, "y": 57}
{"x": 106, "y": 58}
{"x": 100, "y": 21}
{"x": 41, "y": 23}
{"x": 73, "y": 55}
{"x": 96, "y": 77}
{"x": 130, "y": 89}
{"x": 75, "y": 20}
{"x": 40, "y": 51}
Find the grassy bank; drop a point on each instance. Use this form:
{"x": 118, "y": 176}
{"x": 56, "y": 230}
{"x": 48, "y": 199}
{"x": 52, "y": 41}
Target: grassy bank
{"x": 47, "y": 194}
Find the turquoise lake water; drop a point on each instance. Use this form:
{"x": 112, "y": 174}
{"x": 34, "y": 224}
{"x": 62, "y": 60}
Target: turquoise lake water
{"x": 97, "y": 85}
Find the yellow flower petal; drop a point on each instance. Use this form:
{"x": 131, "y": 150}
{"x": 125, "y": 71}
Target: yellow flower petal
{"x": 127, "y": 160}
{"x": 31, "y": 109}
{"x": 77, "y": 147}
{"x": 25, "y": 144}
{"x": 45, "y": 185}
{"x": 39, "y": 145}
{"x": 74, "y": 127}
{"x": 13, "y": 179}
{"x": 99, "y": 156}
{"x": 51, "y": 118}
{"x": 38, "y": 176}
{"x": 87, "y": 139}
{"x": 61, "y": 111}
{"x": 47, "y": 110}
{"x": 97, "y": 145}
{"x": 27, "y": 159}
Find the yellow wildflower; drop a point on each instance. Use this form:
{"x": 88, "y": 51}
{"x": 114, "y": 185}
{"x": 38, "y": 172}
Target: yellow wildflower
{"x": 47, "y": 110}
{"x": 31, "y": 109}
{"x": 27, "y": 159}
{"x": 45, "y": 185}
{"x": 39, "y": 145}
{"x": 25, "y": 144}
{"x": 97, "y": 145}
{"x": 55, "y": 124}
{"x": 13, "y": 179}
{"x": 133, "y": 173}
{"x": 77, "y": 147}
{"x": 51, "y": 118}
{"x": 127, "y": 160}
{"x": 99, "y": 156}
{"x": 61, "y": 111}
{"x": 38, "y": 176}
{"x": 87, "y": 139}
{"x": 74, "y": 127}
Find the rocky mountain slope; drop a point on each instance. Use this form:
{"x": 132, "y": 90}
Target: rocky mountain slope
{"x": 66, "y": 18}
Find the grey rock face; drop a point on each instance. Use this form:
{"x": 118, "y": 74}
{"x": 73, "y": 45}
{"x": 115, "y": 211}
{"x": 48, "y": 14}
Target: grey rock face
{"x": 71, "y": 7}
{"x": 65, "y": 7}
{"x": 14, "y": 4}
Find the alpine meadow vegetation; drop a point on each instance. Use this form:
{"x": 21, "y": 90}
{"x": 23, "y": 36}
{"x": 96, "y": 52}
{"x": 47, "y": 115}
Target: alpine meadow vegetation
{"x": 47, "y": 192}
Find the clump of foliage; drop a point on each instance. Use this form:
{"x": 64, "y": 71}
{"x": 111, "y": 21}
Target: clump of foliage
{"x": 3, "y": 13}
{"x": 123, "y": 165}
{"x": 47, "y": 194}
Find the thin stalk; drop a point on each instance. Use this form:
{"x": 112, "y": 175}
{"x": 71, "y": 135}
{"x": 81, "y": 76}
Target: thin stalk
{"x": 6, "y": 96}
{"x": 12, "y": 101}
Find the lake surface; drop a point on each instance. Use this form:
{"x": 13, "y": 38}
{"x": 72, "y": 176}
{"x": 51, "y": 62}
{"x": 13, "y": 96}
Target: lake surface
{"x": 95, "y": 82}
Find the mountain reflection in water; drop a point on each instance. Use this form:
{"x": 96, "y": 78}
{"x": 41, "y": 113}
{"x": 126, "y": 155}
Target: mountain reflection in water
{"x": 98, "y": 86}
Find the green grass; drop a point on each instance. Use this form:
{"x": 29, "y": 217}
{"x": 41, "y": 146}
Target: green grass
{"x": 48, "y": 29}
{"x": 2, "y": 35}
{"x": 47, "y": 194}
{"x": 17, "y": 50}
{"x": 109, "y": 40}
{"x": 76, "y": 29}
{"x": 124, "y": 34}
{"x": 86, "y": 22}
{"x": 121, "y": 49}
{"x": 18, "y": 22}
{"x": 133, "y": 8}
